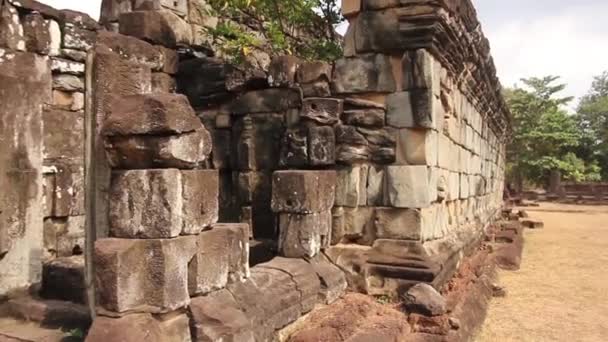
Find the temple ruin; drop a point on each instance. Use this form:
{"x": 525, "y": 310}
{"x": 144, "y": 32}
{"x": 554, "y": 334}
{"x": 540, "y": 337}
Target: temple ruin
{"x": 213, "y": 202}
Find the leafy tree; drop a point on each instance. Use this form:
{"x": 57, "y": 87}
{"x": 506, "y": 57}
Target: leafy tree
{"x": 544, "y": 133}
{"x": 593, "y": 123}
{"x": 305, "y": 28}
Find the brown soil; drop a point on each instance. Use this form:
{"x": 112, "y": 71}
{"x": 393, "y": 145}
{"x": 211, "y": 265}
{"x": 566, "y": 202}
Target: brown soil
{"x": 561, "y": 291}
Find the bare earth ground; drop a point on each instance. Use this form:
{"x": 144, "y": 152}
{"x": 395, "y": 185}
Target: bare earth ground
{"x": 561, "y": 291}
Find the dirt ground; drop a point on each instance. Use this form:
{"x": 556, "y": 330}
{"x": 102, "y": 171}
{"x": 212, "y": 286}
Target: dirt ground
{"x": 561, "y": 291}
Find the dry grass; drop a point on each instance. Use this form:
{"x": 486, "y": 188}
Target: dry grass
{"x": 561, "y": 291}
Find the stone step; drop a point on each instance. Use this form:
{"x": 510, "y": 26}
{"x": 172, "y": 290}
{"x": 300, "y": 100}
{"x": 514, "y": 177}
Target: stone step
{"x": 49, "y": 313}
{"x": 13, "y": 330}
{"x": 63, "y": 279}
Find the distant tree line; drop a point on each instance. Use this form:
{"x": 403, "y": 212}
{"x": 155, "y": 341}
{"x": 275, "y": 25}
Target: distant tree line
{"x": 547, "y": 137}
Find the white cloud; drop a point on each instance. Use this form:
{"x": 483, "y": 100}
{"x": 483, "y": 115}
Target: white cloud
{"x": 565, "y": 43}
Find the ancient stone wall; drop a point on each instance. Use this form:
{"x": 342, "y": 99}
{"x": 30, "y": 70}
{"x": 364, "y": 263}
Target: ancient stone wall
{"x": 382, "y": 168}
{"x": 42, "y": 137}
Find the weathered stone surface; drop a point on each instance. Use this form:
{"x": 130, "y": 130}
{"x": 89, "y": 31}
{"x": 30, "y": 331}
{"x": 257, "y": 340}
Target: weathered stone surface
{"x": 356, "y": 225}
{"x": 321, "y": 146}
{"x": 64, "y": 237}
{"x": 294, "y": 148}
{"x": 201, "y": 199}
{"x": 66, "y": 190}
{"x": 424, "y": 299}
{"x": 393, "y": 223}
{"x": 333, "y": 281}
{"x": 351, "y": 8}
{"x": 350, "y": 135}
{"x": 255, "y": 141}
{"x": 351, "y": 155}
{"x": 63, "y": 279}
{"x": 218, "y": 317}
{"x": 67, "y": 66}
{"x": 282, "y": 71}
{"x": 270, "y": 300}
{"x": 68, "y": 101}
{"x": 417, "y": 147}
{"x": 11, "y": 30}
{"x": 302, "y": 235}
{"x": 163, "y": 83}
{"x": 351, "y": 186}
{"x": 159, "y": 27}
{"x": 77, "y": 38}
{"x": 310, "y": 72}
{"x": 146, "y": 203}
{"x": 375, "y": 186}
{"x": 25, "y": 84}
{"x": 407, "y": 187}
{"x": 420, "y": 71}
{"x": 303, "y": 276}
{"x": 184, "y": 151}
{"x": 363, "y": 74}
{"x": 210, "y": 81}
{"x": 133, "y": 49}
{"x": 222, "y": 258}
{"x": 141, "y": 327}
{"x": 37, "y": 32}
{"x": 371, "y": 118}
{"x": 151, "y": 114}
{"x": 63, "y": 134}
{"x": 143, "y": 275}
{"x": 68, "y": 83}
{"x": 324, "y": 111}
{"x": 303, "y": 192}
{"x": 79, "y": 19}
{"x": 266, "y": 101}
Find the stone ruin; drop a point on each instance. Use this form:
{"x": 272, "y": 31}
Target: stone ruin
{"x": 225, "y": 202}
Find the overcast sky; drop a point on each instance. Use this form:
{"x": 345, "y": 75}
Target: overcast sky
{"x": 528, "y": 37}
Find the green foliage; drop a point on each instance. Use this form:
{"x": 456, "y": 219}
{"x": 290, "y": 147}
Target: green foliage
{"x": 545, "y": 134}
{"x": 593, "y": 123}
{"x": 305, "y": 28}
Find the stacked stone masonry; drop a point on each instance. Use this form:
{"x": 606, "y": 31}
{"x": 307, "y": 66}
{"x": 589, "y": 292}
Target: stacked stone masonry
{"x": 380, "y": 169}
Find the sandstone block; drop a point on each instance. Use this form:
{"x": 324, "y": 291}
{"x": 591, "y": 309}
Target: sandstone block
{"x": 266, "y": 101}
{"x": 65, "y": 66}
{"x": 163, "y": 83}
{"x": 134, "y": 50}
{"x": 303, "y": 235}
{"x": 303, "y": 192}
{"x": 151, "y": 114}
{"x": 321, "y": 146}
{"x": 179, "y": 7}
{"x": 64, "y": 237}
{"x": 294, "y": 149}
{"x": 363, "y": 74}
{"x": 398, "y": 224}
{"x": 68, "y": 83}
{"x": 200, "y": 200}
{"x": 310, "y": 72}
{"x": 143, "y": 275}
{"x": 464, "y": 186}
{"x": 182, "y": 151}
{"x": 141, "y": 327}
{"x": 63, "y": 134}
{"x": 11, "y": 30}
{"x": 282, "y": 71}
{"x": 222, "y": 258}
{"x": 407, "y": 186}
{"x": 255, "y": 141}
{"x": 77, "y": 38}
{"x": 324, "y": 111}
{"x": 417, "y": 147}
{"x": 410, "y": 109}
{"x": 159, "y": 27}
{"x": 351, "y": 186}
{"x": 351, "y": 7}
{"x": 353, "y": 225}
{"x": 424, "y": 299}
{"x": 146, "y": 204}
{"x": 420, "y": 71}
{"x": 67, "y": 197}
{"x": 218, "y": 317}
{"x": 375, "y": 186}
{"x": 333, "y": 281}
{"x": 37, "y": 32}
{"x": 370, "y": 118}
